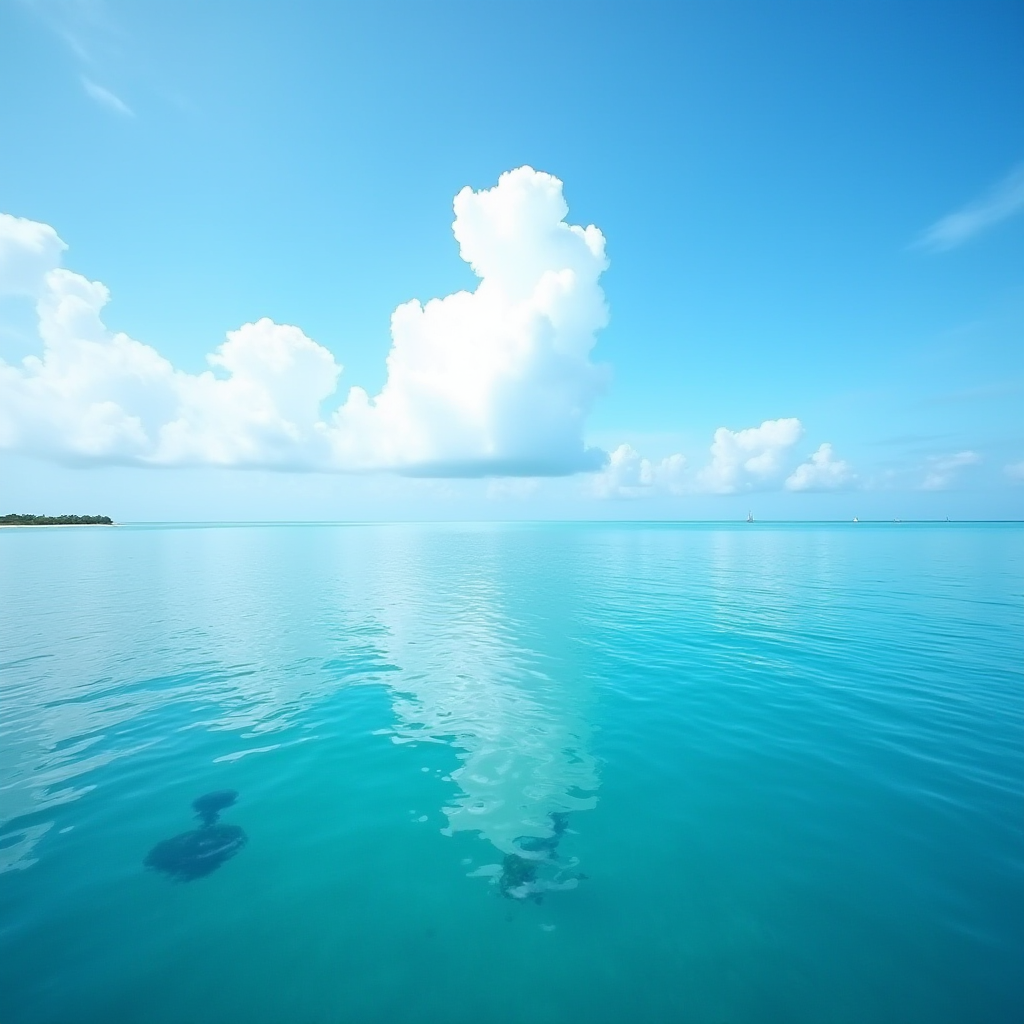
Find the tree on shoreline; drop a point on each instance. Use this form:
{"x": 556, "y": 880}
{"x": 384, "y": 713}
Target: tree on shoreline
{"x": 16, "y": 519}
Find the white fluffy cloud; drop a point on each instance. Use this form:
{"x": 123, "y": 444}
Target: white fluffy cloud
{"x": 821, "y": 472}
{"x": 942, "y": 470}
{"x": 629, "y": 475}
{"x": 755, "y": 459}
{"x": 751, "y": 459}
{"x": 28, "y": 250}
{"x": 98, "y": 395}
{"x": 494, "y": 381}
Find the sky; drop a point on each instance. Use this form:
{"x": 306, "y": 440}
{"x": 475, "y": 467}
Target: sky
{"x": 325, "y": 261}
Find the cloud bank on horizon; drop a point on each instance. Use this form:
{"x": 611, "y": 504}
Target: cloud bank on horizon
{"x": 494, "y": 382}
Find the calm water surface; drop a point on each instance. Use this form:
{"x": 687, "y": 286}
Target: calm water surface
{"x": 789, "y": 762}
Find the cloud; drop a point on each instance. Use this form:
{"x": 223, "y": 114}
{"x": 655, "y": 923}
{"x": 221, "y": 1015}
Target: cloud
{"x": 28, "y": 250}
{"x": 1004, "y": 200}
{"x": 821, "y": 472}
{"x": 85, "y": 26}
{"x": 106, "y": 98}
{"x": 629, "y": 475}
{"x": 1015, "y": 471}
{"x": 497, "y": 381}
{"x": 942, "y": 470}
{"x": 751, "y": 459}
{"x": 741, "y": 460}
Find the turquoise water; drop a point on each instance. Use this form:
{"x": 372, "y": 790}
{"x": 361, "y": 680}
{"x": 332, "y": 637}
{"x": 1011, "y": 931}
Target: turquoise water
{"x": 790, "y": 760}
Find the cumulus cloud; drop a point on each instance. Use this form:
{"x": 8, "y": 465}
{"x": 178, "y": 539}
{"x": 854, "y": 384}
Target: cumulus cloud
{"x": 28, "y": 250}
{"x": 1015, "y": 471}
{"x": 1004, "y": 200}
{"x": 755, "y": 459}
{"x": 496, "y": 381}
{"x": 942, "y": 470}
{"x": 821, "y": 472}
{"x": 751, "y": 459}
{"x": 629, "y": 475}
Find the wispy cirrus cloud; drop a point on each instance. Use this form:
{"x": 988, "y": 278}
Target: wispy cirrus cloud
{"x": 943, "y": 470}
{"x": 98, "y": 40}
{"x": 77, "y": 23}
{"x": 1002, "y": 201}
{"x": 106, "y": 98}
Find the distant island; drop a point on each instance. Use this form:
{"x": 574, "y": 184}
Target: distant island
{"x": 14, "y": 519}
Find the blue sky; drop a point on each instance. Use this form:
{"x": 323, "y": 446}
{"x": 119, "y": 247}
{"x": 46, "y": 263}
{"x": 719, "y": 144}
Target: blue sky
{"x": 811, "y": 235}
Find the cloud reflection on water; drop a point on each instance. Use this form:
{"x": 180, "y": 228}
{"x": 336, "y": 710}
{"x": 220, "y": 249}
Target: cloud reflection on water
{"x": 244, "y": 633}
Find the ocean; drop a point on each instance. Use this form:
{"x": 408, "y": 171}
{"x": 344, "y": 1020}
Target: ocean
{"x": 533, "y": 773}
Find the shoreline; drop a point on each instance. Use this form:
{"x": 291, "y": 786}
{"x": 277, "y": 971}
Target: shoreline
{"x": 51, "y": 526}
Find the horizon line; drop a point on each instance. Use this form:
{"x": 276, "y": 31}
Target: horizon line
{"x": 501, "y": 522}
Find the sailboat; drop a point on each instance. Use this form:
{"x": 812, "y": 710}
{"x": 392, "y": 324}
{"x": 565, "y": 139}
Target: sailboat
{"x": 750, "y": 517}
